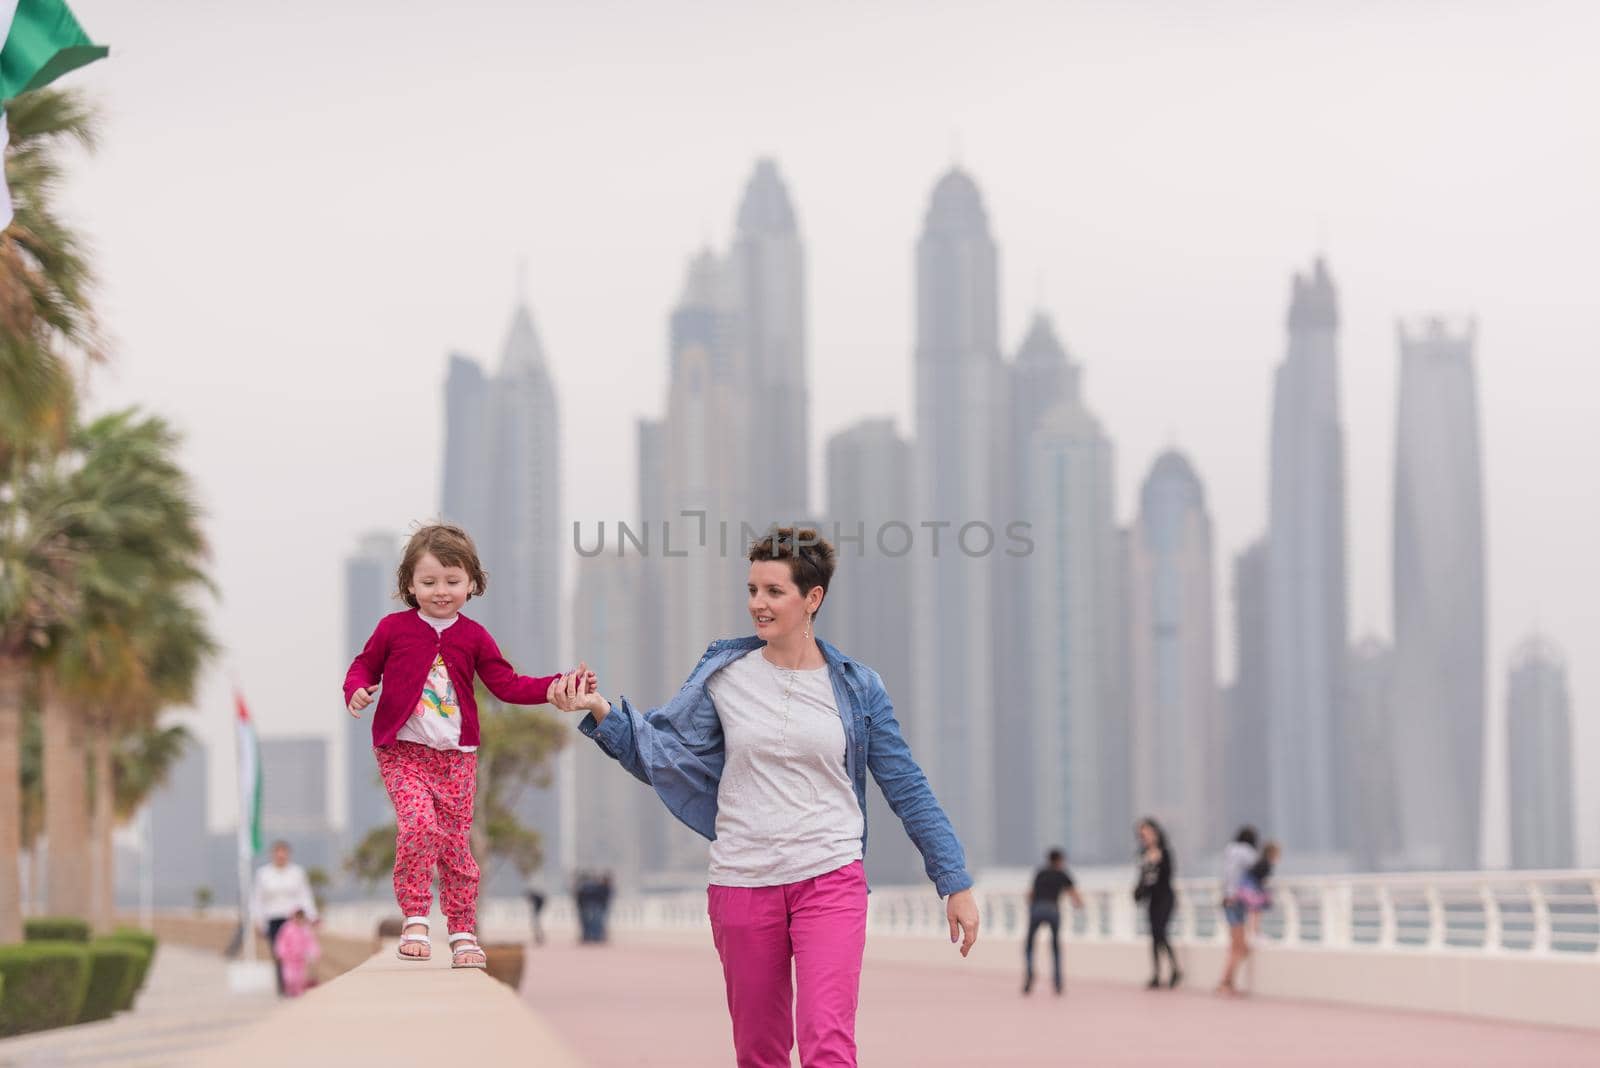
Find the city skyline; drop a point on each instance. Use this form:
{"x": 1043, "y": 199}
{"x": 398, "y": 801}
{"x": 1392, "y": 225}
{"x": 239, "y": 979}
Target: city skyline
{"x": 704, "y": 354}
{"x": 1170, "y": 291}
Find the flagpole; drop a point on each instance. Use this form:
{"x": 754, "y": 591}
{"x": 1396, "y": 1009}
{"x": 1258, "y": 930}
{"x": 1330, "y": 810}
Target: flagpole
{"x": 247, "y": 941}
{"x": 245, "y": 975}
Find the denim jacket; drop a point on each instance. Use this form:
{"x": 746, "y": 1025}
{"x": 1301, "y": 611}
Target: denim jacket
{"x": 678, "y": 749}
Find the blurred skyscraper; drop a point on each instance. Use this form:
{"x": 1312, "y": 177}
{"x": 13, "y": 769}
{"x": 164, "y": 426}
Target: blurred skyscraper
{"x": 502, "y": 482}
{"x": 867, "y": 612}
{"x": 613, "y": 808}
{"x": 1306, "y": 596}
{"x": 181, "y": 863}
{"x": 767, "y": 268}
{"x": 1439, "y": 597}
{"x": 1371, "y": 793}
{"x": 1061, "y": 729}
{"x": 707, "y": 437}
{"x": 1246, "y": 771}
{"x": 731, "y": 450}
{"x": 1176, "y": 736}
{"x": 369, "y": 595}
{"x": 466, "y": 489}
{"x": 294, "y": 800}
{"x": 958, "y": 464}
{"x": 1539, "y": 754}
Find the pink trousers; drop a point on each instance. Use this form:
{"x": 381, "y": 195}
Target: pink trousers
{"x": 819, "y": 924}
{"x": 432, "y": 791}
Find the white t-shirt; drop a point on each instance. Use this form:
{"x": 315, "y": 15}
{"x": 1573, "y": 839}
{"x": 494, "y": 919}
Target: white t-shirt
{"x": 786, "y": 809}
{"x": 436, "y": 723}
{"x": 279, "y": 892}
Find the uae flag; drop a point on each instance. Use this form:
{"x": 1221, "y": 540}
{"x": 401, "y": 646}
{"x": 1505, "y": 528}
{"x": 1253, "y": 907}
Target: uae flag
{"x": 42, "y": 42}
{"x": 249, "y": 783}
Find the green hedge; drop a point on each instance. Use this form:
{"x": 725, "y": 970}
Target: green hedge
{"x": 55, "y": 929}
{"x": 135, "y": 934}
{"x": 113, "y": 965}
{"x": 146, "y": 941}
{"x": 45, "y": 984}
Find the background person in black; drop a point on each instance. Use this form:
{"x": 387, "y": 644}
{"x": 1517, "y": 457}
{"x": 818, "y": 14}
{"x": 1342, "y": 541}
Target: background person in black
{"x": 1044, "y": 909}
{"x": 1155, "y": 890}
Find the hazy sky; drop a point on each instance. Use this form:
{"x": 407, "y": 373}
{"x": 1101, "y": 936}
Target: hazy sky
{"x": 299, "y": 208}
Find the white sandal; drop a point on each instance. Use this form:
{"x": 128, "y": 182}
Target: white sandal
{"x": 466, "y": 942}
{"x": 415, "y": 939}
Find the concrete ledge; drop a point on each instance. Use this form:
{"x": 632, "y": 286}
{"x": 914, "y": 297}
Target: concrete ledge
{"x": 389, "y": 1011}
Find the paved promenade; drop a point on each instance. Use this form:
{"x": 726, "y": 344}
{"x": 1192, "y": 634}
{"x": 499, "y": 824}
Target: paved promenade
{"x": 185, "y": 1007}
{"x": 660, "y": 1003}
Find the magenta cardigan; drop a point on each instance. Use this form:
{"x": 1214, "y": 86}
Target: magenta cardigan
{"x": 400, "y": 654}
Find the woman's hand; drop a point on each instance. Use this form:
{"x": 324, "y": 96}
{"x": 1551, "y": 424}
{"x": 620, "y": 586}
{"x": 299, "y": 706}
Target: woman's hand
{"x": 961, "y": 908}
{"x": 579, "y": 691}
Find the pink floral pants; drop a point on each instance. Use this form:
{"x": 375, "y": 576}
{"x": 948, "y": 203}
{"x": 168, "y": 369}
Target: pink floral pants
{"x": 432, "y": 793}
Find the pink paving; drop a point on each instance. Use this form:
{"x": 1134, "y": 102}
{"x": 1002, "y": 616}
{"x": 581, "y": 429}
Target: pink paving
{"x": 662, "y": 1004}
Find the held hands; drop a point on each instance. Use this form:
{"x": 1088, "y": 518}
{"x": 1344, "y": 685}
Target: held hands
{"x": 961, "y": 908}
{"x": 578, "y": 690}
{"x": 362, "y": 698}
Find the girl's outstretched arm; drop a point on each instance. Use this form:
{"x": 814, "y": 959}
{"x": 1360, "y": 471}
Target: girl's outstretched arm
{"x": 504, "y": 682}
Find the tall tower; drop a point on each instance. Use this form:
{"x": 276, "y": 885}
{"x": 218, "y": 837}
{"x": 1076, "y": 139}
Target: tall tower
{"x": 1439, "y": 615}
{"x": 1247, "y": 769}
{"x": 960, "y": 398}
{"x": 369, "y": 595}
{"x": 868, "y": 609}
{"x": 767, "y": 276}
{"x": 1539, "y": 751}
{"x": 502, "y": 481}
{"x": 615, "y": 811}
{"x": 467, "y": 476}
{"x": 1172, "y": 653}
{"x": 705, "y": 437}
{"x": 1306, "y": 599}
{"x": 1372, "y": 791}
{"x": 1066, "y": 753}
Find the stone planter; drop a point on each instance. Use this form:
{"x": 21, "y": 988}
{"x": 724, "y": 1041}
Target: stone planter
{"x": 505, "y": 962}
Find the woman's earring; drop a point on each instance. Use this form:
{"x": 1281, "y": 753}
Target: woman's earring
{"x": 808, "y": 628}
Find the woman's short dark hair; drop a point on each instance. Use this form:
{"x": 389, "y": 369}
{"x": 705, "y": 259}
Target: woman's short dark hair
{"x": 810, "y": 557}
{"x": 1247, "y": 834}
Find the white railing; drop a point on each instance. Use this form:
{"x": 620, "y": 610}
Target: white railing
{"x": 1525, "y": 913}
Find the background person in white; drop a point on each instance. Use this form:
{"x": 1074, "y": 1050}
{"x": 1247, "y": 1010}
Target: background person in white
{"x": 281, "y": 889}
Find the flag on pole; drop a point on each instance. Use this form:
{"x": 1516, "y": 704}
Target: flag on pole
{"x": 249, "y": 819}
{"x": 249, "y": 782}
{"x": 42, "y": 42}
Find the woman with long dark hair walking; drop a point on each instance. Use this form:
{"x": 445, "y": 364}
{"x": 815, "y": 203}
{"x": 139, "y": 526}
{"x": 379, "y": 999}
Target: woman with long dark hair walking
{"x": 1155, "y": 890}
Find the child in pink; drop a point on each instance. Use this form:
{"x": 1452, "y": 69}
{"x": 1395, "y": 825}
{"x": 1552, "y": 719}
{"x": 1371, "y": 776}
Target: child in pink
{"x": 297, "y": 950}
{"x": 425, "y": 730}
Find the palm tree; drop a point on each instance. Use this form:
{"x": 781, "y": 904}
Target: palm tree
{"x": 45, "y": 313}
{"x": 142, "y": 763}
{"x": 172, "y": 647}
{"x": 38, "y": 562}
{"x": 135, "y": 642}
{"x": 45, "y": 277}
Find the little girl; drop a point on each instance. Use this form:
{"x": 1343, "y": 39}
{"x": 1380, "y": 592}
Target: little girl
{"x": 297, "y": 950}
{"x": 1253, "y": 892}
{"x": 425, "y": 730}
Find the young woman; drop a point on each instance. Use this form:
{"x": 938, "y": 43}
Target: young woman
{"x": 765, "y": 750}
{"x": 1155, "y": 890}
{"x": 1237, "y": 859}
